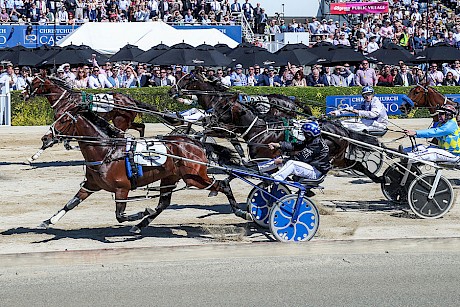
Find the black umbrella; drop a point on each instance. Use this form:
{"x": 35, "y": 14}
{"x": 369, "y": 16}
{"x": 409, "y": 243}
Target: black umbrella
{"x": 45, "y": 51}
{"x": 152, "y": 53}
{"x": 261, "y": 57}
{"x": 240, "y": 50}
{"x": 74, "y": 55}
{"x": 185, "y": 54}
{"x": 321, "y": 48}
{"x": 440, "y": 52}
{"x": 390, "y": 54}
{"x": 21, "y": 56}
{"x": 298, "y": 54}
{"x": 339, "y": 54}
{"x": 223, "y": 48}
{"x": 127, "y": 53}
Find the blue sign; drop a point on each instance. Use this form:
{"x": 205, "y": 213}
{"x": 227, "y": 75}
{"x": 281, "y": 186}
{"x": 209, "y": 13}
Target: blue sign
{"x": 234, "y": 32}
{"x": 37, "y": 35}
{"x": 390, "y": 101}
{"x": 32, "y": 36}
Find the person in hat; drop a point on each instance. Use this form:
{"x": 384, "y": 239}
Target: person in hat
{"x": 237, "y": 78}
{"x": 448, "y": 135}
{"x": 9, "y": 77}
{"x": 67, "y": 72}
{"x": 272, "y": 79}
{"x": 98, "y": 80}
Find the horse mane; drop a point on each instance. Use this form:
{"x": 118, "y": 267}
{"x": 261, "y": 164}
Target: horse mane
{"x": 107, "y": 128}
{"x": 61, "y": 83}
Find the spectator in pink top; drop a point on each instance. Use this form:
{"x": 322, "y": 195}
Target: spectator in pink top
{"x": 366, "y": 75}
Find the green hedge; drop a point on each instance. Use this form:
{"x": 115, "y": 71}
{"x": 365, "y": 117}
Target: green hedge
{"x": 38, "y": 111}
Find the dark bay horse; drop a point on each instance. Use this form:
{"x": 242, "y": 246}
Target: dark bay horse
{"x": 425, "y": 96}
{"x": 257, "y": 132}
{"x": 210, "y": 92}
{"x": 57, "y": 91}
{"x": 104, "y": 150}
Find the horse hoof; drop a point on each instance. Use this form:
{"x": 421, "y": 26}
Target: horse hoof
{"x": 135, "y": 230}
{"x": 149, "y": 211}
{"x": 213, "y": 193}
{"x": 44, "y": 225}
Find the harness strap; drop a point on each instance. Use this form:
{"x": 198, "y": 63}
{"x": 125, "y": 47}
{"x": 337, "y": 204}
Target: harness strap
{"x": 60, "y": 98}
{"x": 250, "y": 127}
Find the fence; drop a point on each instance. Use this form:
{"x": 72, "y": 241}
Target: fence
{"x": 5, "y": 105}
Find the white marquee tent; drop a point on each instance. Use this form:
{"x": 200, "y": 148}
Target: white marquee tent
{"x": 109, "y": 37}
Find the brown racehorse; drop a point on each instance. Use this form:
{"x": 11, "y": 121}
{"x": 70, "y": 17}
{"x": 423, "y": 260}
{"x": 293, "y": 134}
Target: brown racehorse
{"x": 425, "y": 96}
{"x": 104, "y": 150}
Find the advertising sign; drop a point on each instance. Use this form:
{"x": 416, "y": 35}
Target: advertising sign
{"x": 390, "y": 101}
{"x": 358, "y": 8}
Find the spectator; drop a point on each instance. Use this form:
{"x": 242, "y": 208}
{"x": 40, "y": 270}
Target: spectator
{"x": 372, "y": 46}
{"x": 4, "y": 17}
{"x": 235, "y": 7}
{"x": 225, "y": 79}
{"x": 247, "y": 10}
{"x": 299, "y": 79}
{"x": 237, "y": 77}
{"x": 62, "y": 16}
{"x": 434, "y": 77}
{"x": 129, "y": 78}
{"x": 339, "y": 77}
{"x": 404, "y": 77}
{"x": 162, "y": 80}
{"x": 449, "y": 80}
{"x": 365, "y": 75}
{"x": 385, "y": 77}
{"x": 271, "y": 79}
{"x": 97, "y": 80}
{"x": 252, "y": 80}
{"x": 81, "y": 81}
{"x": 342, "y": 40}
{"x": 314, "y": 79}
{"x": 142, "y": 78}
{"x": 115, "y": 77}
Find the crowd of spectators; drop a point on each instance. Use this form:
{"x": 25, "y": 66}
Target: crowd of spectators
{"x": 116, "y": 75}
{"x": 70, "y": 12}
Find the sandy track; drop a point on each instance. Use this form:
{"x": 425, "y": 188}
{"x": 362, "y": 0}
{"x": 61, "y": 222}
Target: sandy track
{"x": 353, "y": 208}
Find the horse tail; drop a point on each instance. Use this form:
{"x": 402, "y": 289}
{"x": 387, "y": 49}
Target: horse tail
{"x": 223, "y": 154}
{"x": 146, "y": 106}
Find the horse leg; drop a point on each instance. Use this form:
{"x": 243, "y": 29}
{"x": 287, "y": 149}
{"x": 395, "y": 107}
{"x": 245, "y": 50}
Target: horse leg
{"x": 139, "y": 127}
{"x": 75, "y": 201}
{"x": 224, "y": 187}
{"x": 120, "y": 196}
{"x": 163, "y": 203}
{"x": 360, "y": 168}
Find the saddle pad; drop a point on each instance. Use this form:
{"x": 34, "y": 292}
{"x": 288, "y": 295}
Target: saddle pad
{"x": 102, "y": 103}
{"x": 148, "y": 152}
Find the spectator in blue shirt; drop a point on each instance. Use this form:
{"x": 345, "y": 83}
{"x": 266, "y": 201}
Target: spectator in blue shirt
{"x": 237, "y": 77}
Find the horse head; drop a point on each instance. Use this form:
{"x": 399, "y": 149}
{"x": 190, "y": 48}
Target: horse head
{"x": 196, "y": 83}
{"x": 39, "y": 85}
{"x": 418, "y": 95}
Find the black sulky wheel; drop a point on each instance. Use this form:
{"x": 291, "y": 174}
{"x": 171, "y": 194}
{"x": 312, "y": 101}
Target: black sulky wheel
{"x": 373, "y": 163}
{"x": 182, "y": 130}
{"x": 433, "y": 208}
{"x": 393, "y": 187}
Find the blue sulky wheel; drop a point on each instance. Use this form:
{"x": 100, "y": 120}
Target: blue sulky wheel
{"x": 282, "y": 226}
{"x": 433, "y": 208}
{"x": 260, "y": 203}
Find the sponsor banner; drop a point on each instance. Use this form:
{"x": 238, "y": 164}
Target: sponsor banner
{"x": 390, "y": 101}
{"x": 358, "y": 8}
{"x": 32, "y": 36}
{"x": 234, "y": 32}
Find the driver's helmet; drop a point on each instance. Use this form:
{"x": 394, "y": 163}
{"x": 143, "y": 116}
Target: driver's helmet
{"x": 311, "y": 129}
{"x": 367, "y": 90}
{"x": 450, "y": 110}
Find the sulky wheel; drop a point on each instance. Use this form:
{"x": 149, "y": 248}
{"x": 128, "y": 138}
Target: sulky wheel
{"x": 373, "y": 163}
{"x": 425, "y": 207}
{"x": 260, "y": 203}
{"x": 392, "y": 186}
{"x": 182, "y": 130}
{"x": 282, "y": 226}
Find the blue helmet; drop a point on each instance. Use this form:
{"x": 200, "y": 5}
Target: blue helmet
{"x": 367, "y": 90}
{"x": 311, "y": 129}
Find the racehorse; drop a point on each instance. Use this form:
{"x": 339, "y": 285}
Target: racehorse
{"x": 56, "y": 90}
{"x": 122, "y": 113}
{"x": 209, "y": 92}
{"x": 257, "y": 132}
{"x": 104, "y": 149}
{"x": 425, "y": 96}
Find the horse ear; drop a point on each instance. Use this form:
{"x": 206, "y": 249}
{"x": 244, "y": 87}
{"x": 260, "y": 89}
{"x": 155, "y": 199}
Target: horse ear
{"x": 43, "y": 73}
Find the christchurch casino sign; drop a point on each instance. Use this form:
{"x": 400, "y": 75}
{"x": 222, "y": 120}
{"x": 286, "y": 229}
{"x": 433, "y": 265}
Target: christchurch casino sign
{"x": 359, "y": 8}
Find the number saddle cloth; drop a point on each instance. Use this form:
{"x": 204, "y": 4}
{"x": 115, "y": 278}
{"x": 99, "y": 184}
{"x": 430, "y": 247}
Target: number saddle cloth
{"x": 146, "y": 152}
{"x": 100, "y": 103}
